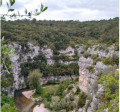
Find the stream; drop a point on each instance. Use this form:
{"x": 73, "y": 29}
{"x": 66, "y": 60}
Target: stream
{"x": 22, "y": 103}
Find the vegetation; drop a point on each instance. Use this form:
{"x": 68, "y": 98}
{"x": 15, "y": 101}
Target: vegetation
{"x": 111, "y": 60}
{"x": 34, "y": 79}
{"x": 6, "y": 53}
{"x": 56, "y": 97}
{"x": 111, "y": 98}
{"x": 62, "y": 34}
{"x": 7, "y": 104}
{"x": 57, "y": 37}
{"x": 55, "y": 70}
{"x": 82, "y": 99}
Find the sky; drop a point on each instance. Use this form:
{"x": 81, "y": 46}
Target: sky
{"x": 82, "y": 10}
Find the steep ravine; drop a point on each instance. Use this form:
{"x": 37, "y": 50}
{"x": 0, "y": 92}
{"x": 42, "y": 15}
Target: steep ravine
{"x": 90, "y": 66}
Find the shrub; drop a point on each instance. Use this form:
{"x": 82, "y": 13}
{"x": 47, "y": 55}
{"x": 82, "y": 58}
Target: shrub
{"x": 82, "y": 99}
{"x": 39, "y": 89}
{"x": 96, "y": 60}
{"x": 34, "y": 78}
{"x": 52, "y": 82}
{"x": 86, "y": 55}
{"x": 55, "y": 103}
{"x": 70, "y": 87}
{"x": 7, "y": 104}
{"x": 71, "y": 97}
{"x": 47, "y": 104}
{"x": 75, "y": 80}
{"x": 49, "y": 94}
{"x": 111, "y": 60}
{"x": 111, "y": 97}
{"x": 64, "y": 103}
{"x": 77, "y": 91}
{"x": 71, "y": 106}
{"x": 95, "y": 56}
{"x": 8, "y": 108}
{"x": 63, "y": 110}
{"x": 60, "y": 90}
{"x": 108, "y": 70}
{"x": 91, "y": 69}
{"x": 66, "y": 82}
{"x": 107, "y": 61}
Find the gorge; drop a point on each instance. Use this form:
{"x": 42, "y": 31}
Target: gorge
{"x": 78, "y": 58}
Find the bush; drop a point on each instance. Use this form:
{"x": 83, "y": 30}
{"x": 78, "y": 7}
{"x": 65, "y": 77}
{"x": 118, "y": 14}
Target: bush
{"x": 75, "y": 80}
{"x": 55, "y": 105}
{"x": 111, "y": 60}
{"x": 60, "y": 90}
{"x": 66, "y": 83}
{"x": 39, "y": 89}
{"x": 82, "y": 100}
{"x": 91, "y": 69}
{"x": 52, "y": 82}
{"x": 64, "y": 103}
{"x": 86, "y": 55}
{"x": 77, "y": 91}
{"x": 8, "y": 108}
{"x": 71, "y": 97}
{"x": 96, "y": 60}
{"x": 71, "y": 106}
{"x": 7, "y": 104}
{"x": 34, "y": 79}
{"x": 70, "y": 87}
{"x": 111, "y": 97}
{"x": 49, "y": 94}
{"x": 63, "y": 110}
{"x": 108, "y": 70}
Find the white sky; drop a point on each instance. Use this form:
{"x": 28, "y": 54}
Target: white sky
{"x": 69, "y": 9}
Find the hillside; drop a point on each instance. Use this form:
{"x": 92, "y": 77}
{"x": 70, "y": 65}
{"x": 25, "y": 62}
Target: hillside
{"x": 80, "y": 57}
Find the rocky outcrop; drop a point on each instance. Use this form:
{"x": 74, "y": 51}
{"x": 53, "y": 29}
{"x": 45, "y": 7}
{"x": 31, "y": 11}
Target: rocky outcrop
{"x": 69, "y": 51}
{"x": 48, "y": 54}
{"x": 88, "y": 72}
{"x": 27, "y": 53}
{"x": 58, "y": 79}
{"x": 88, "y": 79}
{"x": 104, "y": 51}
{"x": 20, "y": 57}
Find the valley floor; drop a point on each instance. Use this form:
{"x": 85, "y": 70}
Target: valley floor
{"x": 37, "y": 108}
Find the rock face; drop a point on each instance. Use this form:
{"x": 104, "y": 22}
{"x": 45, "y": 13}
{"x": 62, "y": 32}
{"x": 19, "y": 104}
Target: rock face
{"x": 28, "y": 53}
{"x": 20, "y": 57}
{"x": 104, "y": 51}
{"x": 88, "y": 79}
{"x": 48, "y": 54}
{"x": 44, "y": 80}
{"x": 69, "y": 51}
{"x": 83, "y": 82}
{"x": 88, "y": 72}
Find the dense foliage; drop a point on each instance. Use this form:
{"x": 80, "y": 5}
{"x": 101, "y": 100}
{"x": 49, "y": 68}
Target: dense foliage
{"x": 111, "y": 98}
{"x": 61, "y": 98}
{"x": 59, "y": 34}
{"x": 7, "y": 104}
{"x": 6, "y": 54}
{"x": 34, "y": 79}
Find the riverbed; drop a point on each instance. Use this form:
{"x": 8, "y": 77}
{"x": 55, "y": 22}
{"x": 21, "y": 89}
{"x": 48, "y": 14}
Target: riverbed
{"x": 24, "y": 102}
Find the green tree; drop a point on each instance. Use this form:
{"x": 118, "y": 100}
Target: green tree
{"x": 34, "y": 79}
